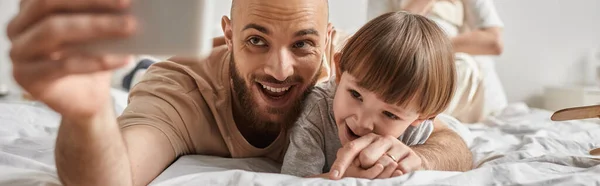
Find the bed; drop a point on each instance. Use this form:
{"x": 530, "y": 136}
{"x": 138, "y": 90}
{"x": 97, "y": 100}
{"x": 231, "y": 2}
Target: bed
{"x": 521, "y": 146}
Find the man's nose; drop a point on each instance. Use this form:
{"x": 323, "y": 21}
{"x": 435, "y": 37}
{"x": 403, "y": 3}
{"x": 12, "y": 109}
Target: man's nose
{"x": 280, "y": 65}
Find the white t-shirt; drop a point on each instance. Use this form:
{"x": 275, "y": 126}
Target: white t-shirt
{"x": 483, "y": 12}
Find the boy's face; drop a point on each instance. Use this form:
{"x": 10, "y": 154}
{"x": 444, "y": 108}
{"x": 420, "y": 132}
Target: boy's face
{"x": 359, "y": 112}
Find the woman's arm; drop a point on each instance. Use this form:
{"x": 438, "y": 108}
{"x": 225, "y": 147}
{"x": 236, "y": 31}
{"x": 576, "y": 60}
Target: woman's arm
{"x": 480, "y": 41}
{"x": 485, "y": 36}
{"x": 485, "y": 41}
{"x": 420, "y": 7}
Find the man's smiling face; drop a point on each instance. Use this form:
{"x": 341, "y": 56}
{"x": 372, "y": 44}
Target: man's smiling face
{"x": 277, "y": 52}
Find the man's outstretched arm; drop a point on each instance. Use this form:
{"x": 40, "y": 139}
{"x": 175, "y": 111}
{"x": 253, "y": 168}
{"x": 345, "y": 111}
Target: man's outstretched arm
{"x": 444, "y": 150}
{"x": 97, "y": 152}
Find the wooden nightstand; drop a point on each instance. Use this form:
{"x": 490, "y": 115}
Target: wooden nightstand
{"x": 556, "y": 98}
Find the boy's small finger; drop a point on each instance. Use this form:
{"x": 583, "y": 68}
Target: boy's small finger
{"x": 334, "y": 175}
{"x": 338, "y": 169}
{"x": 374, "y": 171}
{"x": 397, "y": 173}
{"x": 347, "y": 154}
{"x": 388, "y": 171}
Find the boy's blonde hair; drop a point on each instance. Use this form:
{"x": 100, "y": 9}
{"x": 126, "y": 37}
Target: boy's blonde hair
{"x": 403, "y": 57}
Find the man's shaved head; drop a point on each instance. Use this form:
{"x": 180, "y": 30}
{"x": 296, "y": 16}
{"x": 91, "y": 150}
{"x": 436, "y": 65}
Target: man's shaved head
{"x": 233, "y": 7}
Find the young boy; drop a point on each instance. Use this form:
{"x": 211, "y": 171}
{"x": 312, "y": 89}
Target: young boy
{"x": 394, "y": 76}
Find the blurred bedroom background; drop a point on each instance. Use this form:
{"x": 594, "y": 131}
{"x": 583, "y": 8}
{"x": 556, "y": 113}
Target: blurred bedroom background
{"x": 551, "y": 48}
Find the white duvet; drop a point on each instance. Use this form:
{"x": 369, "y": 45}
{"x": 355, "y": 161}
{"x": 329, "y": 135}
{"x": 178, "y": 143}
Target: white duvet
{"x": 520, "y": 147}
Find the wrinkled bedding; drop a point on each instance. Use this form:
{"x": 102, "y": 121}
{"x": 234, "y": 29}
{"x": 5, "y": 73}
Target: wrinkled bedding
{"x": 521, "y": 146}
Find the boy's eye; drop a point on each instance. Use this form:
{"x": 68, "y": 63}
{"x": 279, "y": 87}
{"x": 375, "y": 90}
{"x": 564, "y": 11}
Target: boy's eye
{"x": 355, "y": 94}
{"x": 256, "y": 41}
{"x": 390, "y": 115}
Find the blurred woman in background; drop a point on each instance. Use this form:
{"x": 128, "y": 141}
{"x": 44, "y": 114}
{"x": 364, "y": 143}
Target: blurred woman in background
{"x": 474, "y": 28}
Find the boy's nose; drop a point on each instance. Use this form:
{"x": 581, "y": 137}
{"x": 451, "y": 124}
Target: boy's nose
{"x": 364, "y": 126}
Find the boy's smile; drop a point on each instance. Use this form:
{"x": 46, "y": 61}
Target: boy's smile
{"x": 346, "y": 132}
{"x": 359, "y": 112}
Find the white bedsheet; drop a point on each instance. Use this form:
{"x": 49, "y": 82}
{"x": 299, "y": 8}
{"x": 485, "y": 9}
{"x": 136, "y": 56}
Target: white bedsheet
{"x": 521, "y": 146}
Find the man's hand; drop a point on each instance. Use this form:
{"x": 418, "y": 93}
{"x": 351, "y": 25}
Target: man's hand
{"x": 372, "y": 152}
{"x": 90, "y": 149}
{"x": 47, "y": 66}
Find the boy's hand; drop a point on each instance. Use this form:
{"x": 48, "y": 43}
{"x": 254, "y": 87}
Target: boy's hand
{"x": 372, "y": 149}
{"x": 356, "y": 171}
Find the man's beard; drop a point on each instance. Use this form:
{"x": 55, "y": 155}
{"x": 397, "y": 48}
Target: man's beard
{"x": 249, "y": 108}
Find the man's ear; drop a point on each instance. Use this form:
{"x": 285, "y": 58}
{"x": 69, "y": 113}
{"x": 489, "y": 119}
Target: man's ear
{"x": 330, "y": 49}
{"x": 330, "y": 30}
{"x": 227, "y": 31}
{"x": 336, "y": 60}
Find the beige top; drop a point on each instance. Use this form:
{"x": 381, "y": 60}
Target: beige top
{"x": 191, "y": 105}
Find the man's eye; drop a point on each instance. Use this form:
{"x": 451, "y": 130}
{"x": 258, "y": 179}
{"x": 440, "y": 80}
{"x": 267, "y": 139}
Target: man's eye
{"x": 355, "y": 94}
{"x": 390, "y": 115}
{"x": 256, "y": 41}
{"x": 301, "y": 44}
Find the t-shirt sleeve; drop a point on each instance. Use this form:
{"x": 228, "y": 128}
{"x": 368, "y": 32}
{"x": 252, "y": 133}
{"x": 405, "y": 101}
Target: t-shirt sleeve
{"x": 305, "y": 154}
{"x": 484, "y": 14}
{"x": 417, "y": 135}
{"x": 162, "y": 102}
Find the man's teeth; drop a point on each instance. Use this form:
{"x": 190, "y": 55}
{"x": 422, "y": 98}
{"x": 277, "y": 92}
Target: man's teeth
{"x": 277, "y": 90}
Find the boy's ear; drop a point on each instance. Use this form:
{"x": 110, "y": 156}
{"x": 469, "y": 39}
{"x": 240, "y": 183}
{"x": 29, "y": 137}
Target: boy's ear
{"x": 336, "y": 61}
{"x": 417, "y": 122}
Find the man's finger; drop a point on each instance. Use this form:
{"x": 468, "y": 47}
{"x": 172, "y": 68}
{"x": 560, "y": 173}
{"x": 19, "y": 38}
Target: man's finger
{"x": 23, "y": 3}
{"x": 11, "y": 27}
{"x": 32, "y": 74}
{"x": 348, "y": 153}
{"x": 411, "y": 163}
{"x": 83, "y": 64}
{"x": 60, "y": 31}
{"x": 371, "y": 154}
{"x": 33, "y": 11}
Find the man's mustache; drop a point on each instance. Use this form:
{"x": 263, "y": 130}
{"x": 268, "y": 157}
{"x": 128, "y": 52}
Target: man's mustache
{"x": 295, "y": 79}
